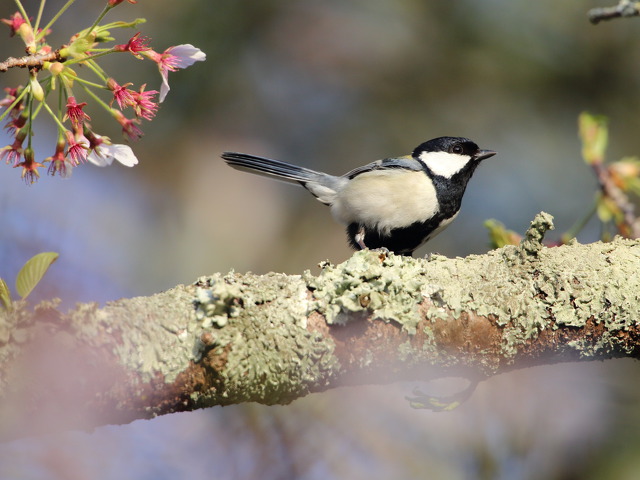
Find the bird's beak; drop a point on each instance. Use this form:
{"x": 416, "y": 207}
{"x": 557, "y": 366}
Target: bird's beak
{"x": 483, "y": 154}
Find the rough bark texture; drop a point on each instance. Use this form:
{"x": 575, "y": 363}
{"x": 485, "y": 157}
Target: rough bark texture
{"x": 375, "y": 318}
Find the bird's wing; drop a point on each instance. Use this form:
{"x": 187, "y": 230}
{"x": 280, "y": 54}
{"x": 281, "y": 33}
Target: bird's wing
{"x": 407, "y": 163}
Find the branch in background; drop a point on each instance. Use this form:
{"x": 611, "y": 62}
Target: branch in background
{"x": 625, "y": 8}
{"x": 620, "y": 199}
{"x": 617, "y": 180}
{"x": 273, "y": 338}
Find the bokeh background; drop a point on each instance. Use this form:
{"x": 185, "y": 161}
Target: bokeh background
{"x": 332, "y": 85}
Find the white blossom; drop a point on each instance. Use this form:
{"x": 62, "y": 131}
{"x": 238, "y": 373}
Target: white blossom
{"x": 104, "y": 155}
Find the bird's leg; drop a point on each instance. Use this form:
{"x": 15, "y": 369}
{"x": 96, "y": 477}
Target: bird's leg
{"x": 359, "y": 238}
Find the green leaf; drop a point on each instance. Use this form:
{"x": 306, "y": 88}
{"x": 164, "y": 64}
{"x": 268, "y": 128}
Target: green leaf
{"x": 594, "y": 135}
{"x": 499, "y": 235}
{"x": 32, "y": 272}
{"x": 5, "y": 295}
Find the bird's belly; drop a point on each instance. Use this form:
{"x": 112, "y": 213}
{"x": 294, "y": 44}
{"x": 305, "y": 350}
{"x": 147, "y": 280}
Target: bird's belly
{"x": 386, "y": 199}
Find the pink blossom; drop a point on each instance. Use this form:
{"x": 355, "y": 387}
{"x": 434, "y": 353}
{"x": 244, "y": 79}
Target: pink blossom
{"x": 12, "y": 94}
{"x": 129, "y": 126}
{"x": 15, "y": 21}
{"x": 29, "y": 167}
{"x": 15, "y": 124}
{"x": 76, "y": 149}
{"x": 121, "y": 94}
{"x": 13, "y": 152}
{"x": 58, "y": 162}
{"x": 75, "y": 113}
{"x": 173, "y": 58}
{"x": 135, "y": 45}
{"x": 113, "y": 3}
{"x": 144, "y": 106}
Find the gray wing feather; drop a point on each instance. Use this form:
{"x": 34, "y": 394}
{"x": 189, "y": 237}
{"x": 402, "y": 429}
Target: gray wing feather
{"x": 407, "y": 163}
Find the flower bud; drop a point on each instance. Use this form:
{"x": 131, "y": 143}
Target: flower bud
{"x": 36, "y": 88}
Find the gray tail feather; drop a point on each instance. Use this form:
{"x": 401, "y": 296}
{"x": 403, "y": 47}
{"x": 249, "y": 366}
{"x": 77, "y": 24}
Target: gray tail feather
{"x": 270, "y": 168}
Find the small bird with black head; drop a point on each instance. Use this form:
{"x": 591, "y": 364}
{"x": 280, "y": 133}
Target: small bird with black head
{"x": 396, "y": 203}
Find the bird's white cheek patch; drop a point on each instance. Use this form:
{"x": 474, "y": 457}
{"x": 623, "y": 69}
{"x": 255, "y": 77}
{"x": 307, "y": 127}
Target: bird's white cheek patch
{"x": 443, "y": 163}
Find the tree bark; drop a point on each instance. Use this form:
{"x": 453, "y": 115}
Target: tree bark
{"x": 376, "y": 318}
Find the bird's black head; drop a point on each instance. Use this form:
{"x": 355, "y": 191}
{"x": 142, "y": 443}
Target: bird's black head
{"x": 446, "y": 156}
{"x": 455, "y": 145}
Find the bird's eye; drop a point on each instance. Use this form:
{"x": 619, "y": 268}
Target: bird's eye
{"x": 457, "y": 149}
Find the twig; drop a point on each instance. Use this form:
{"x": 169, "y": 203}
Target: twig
{"x": 29, "y": 61}
{"x": 619, "y": 198}
{"x": 626, "y": 8}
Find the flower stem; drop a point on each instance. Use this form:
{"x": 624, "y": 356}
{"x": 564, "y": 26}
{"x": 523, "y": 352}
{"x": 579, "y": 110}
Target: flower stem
{"x": 96, "y": 98}
{"x": 121, "y": 24}
{"x": 97, "y": 70}
{"x": 54, "y": 116}
{"x": 30, "y": 124}
{"x": 91, "y": 57}
{"x": 100, "y": 17}
{"x": 39, "y": 17}
{"x": 88, "y": 83}
{"x": 54, "y": 19}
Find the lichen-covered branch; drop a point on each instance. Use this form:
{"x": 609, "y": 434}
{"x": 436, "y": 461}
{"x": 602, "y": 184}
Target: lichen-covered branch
{"x": 376, "y": 318}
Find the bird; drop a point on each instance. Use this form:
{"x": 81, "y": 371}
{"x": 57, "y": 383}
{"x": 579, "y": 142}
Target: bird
{"x": 397, "y": 203}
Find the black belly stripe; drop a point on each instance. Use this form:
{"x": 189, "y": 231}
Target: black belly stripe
{"x": 399, "y": 240}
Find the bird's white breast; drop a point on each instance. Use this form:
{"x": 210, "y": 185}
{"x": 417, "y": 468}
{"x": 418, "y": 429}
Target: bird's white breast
{"x": 386, "y": 199}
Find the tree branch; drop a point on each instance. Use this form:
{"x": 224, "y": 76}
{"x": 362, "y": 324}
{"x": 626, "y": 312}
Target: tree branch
{"x": 30, "y": 60}
{"x": 631, "y": 225}
{"x": 376, "y": 318}
{"x": 626, "y": 8}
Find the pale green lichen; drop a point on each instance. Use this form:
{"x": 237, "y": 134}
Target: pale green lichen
{"x": 217, "y": 303}
{"x": 385, "y": 285}
{"x": 270, "y": 355}
{"x": 154, "y": 346}
{"x": 563, "y": 286}
{"x": 524, "y": 288}
{"x": 531, "y": 244}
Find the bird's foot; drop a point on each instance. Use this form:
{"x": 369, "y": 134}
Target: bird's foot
{"x": 359, "y": 238}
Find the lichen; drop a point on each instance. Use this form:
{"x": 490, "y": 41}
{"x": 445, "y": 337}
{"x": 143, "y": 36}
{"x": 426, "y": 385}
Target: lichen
{"x": 385, "y": 285}
{"x": 154, "y": 347}
{"x": 557, "y": 287}
{"x": 217, "y": 303}
{"x": 531, "y": 244}
{"x": 270, "y": 355}
{"x": 524, "y": 289}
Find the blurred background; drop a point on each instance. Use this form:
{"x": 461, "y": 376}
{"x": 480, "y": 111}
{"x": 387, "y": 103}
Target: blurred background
{"x": 332, "y": 85}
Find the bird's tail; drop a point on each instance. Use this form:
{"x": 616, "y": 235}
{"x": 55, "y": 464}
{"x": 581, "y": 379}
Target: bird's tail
{"x": 271, "y": 168}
